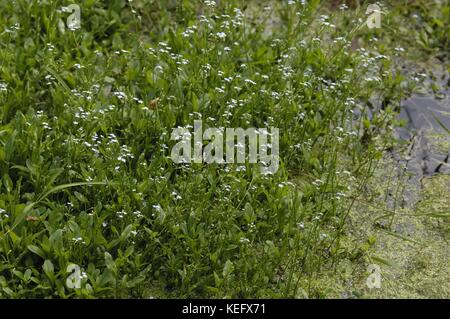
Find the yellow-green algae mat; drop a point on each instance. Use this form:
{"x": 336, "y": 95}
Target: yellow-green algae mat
{"x": 409, "y": 245}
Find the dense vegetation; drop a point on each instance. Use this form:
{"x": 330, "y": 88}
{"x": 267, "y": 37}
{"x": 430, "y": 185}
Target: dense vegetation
{"x": 85, "y": 123}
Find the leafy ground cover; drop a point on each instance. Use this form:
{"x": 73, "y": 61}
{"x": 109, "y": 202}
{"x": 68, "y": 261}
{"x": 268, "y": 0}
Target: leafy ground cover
{"x": 85, "y": 122}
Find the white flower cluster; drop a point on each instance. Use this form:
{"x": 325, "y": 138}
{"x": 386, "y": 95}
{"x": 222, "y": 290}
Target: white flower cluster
{"x": 3, "y": 214}
{"x": 3, "y": 87}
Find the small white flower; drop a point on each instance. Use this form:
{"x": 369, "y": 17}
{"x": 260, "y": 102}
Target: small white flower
{"x": 78, "y": 239}
{"x": 221, "y": 35}
{"x": 3, "y": 87}
{"x": 210, "y": 3}
{"x": 121, "y": 214}
{"x": 120, "y": 95}
{"x": 3, "y": 213}
{"x": 244, "y": 240}
{"x": 138, "y": 214}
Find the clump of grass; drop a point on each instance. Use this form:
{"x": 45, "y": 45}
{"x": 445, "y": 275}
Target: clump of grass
{"x": 97, "y": 105}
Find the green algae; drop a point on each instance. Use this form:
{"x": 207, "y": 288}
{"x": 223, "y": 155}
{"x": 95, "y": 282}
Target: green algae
{"x": 410, "y": 245}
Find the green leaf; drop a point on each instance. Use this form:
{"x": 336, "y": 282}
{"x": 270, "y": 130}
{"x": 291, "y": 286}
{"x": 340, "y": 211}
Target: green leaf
{"x": 49, "y": 269}
{"x": 7, "y": 182}
{"x": 56, "y": 240}
{"x": 27, "y": 275}
{"x": 80, "y": 197}
{"x": 135, "y": 281}
{"x": 22, "y": 215}
{"x": 110, "y": 264}
{"x": 126, "y": 232}
{"x": 228, "y": 268}
{"x": 38, "y": 251}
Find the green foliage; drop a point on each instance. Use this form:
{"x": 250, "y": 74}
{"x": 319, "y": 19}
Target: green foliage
{"x": 85, "y": 124}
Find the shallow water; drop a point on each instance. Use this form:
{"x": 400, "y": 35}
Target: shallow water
{"x": 425, "y": 133}
{"x": 426, "y": 149}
